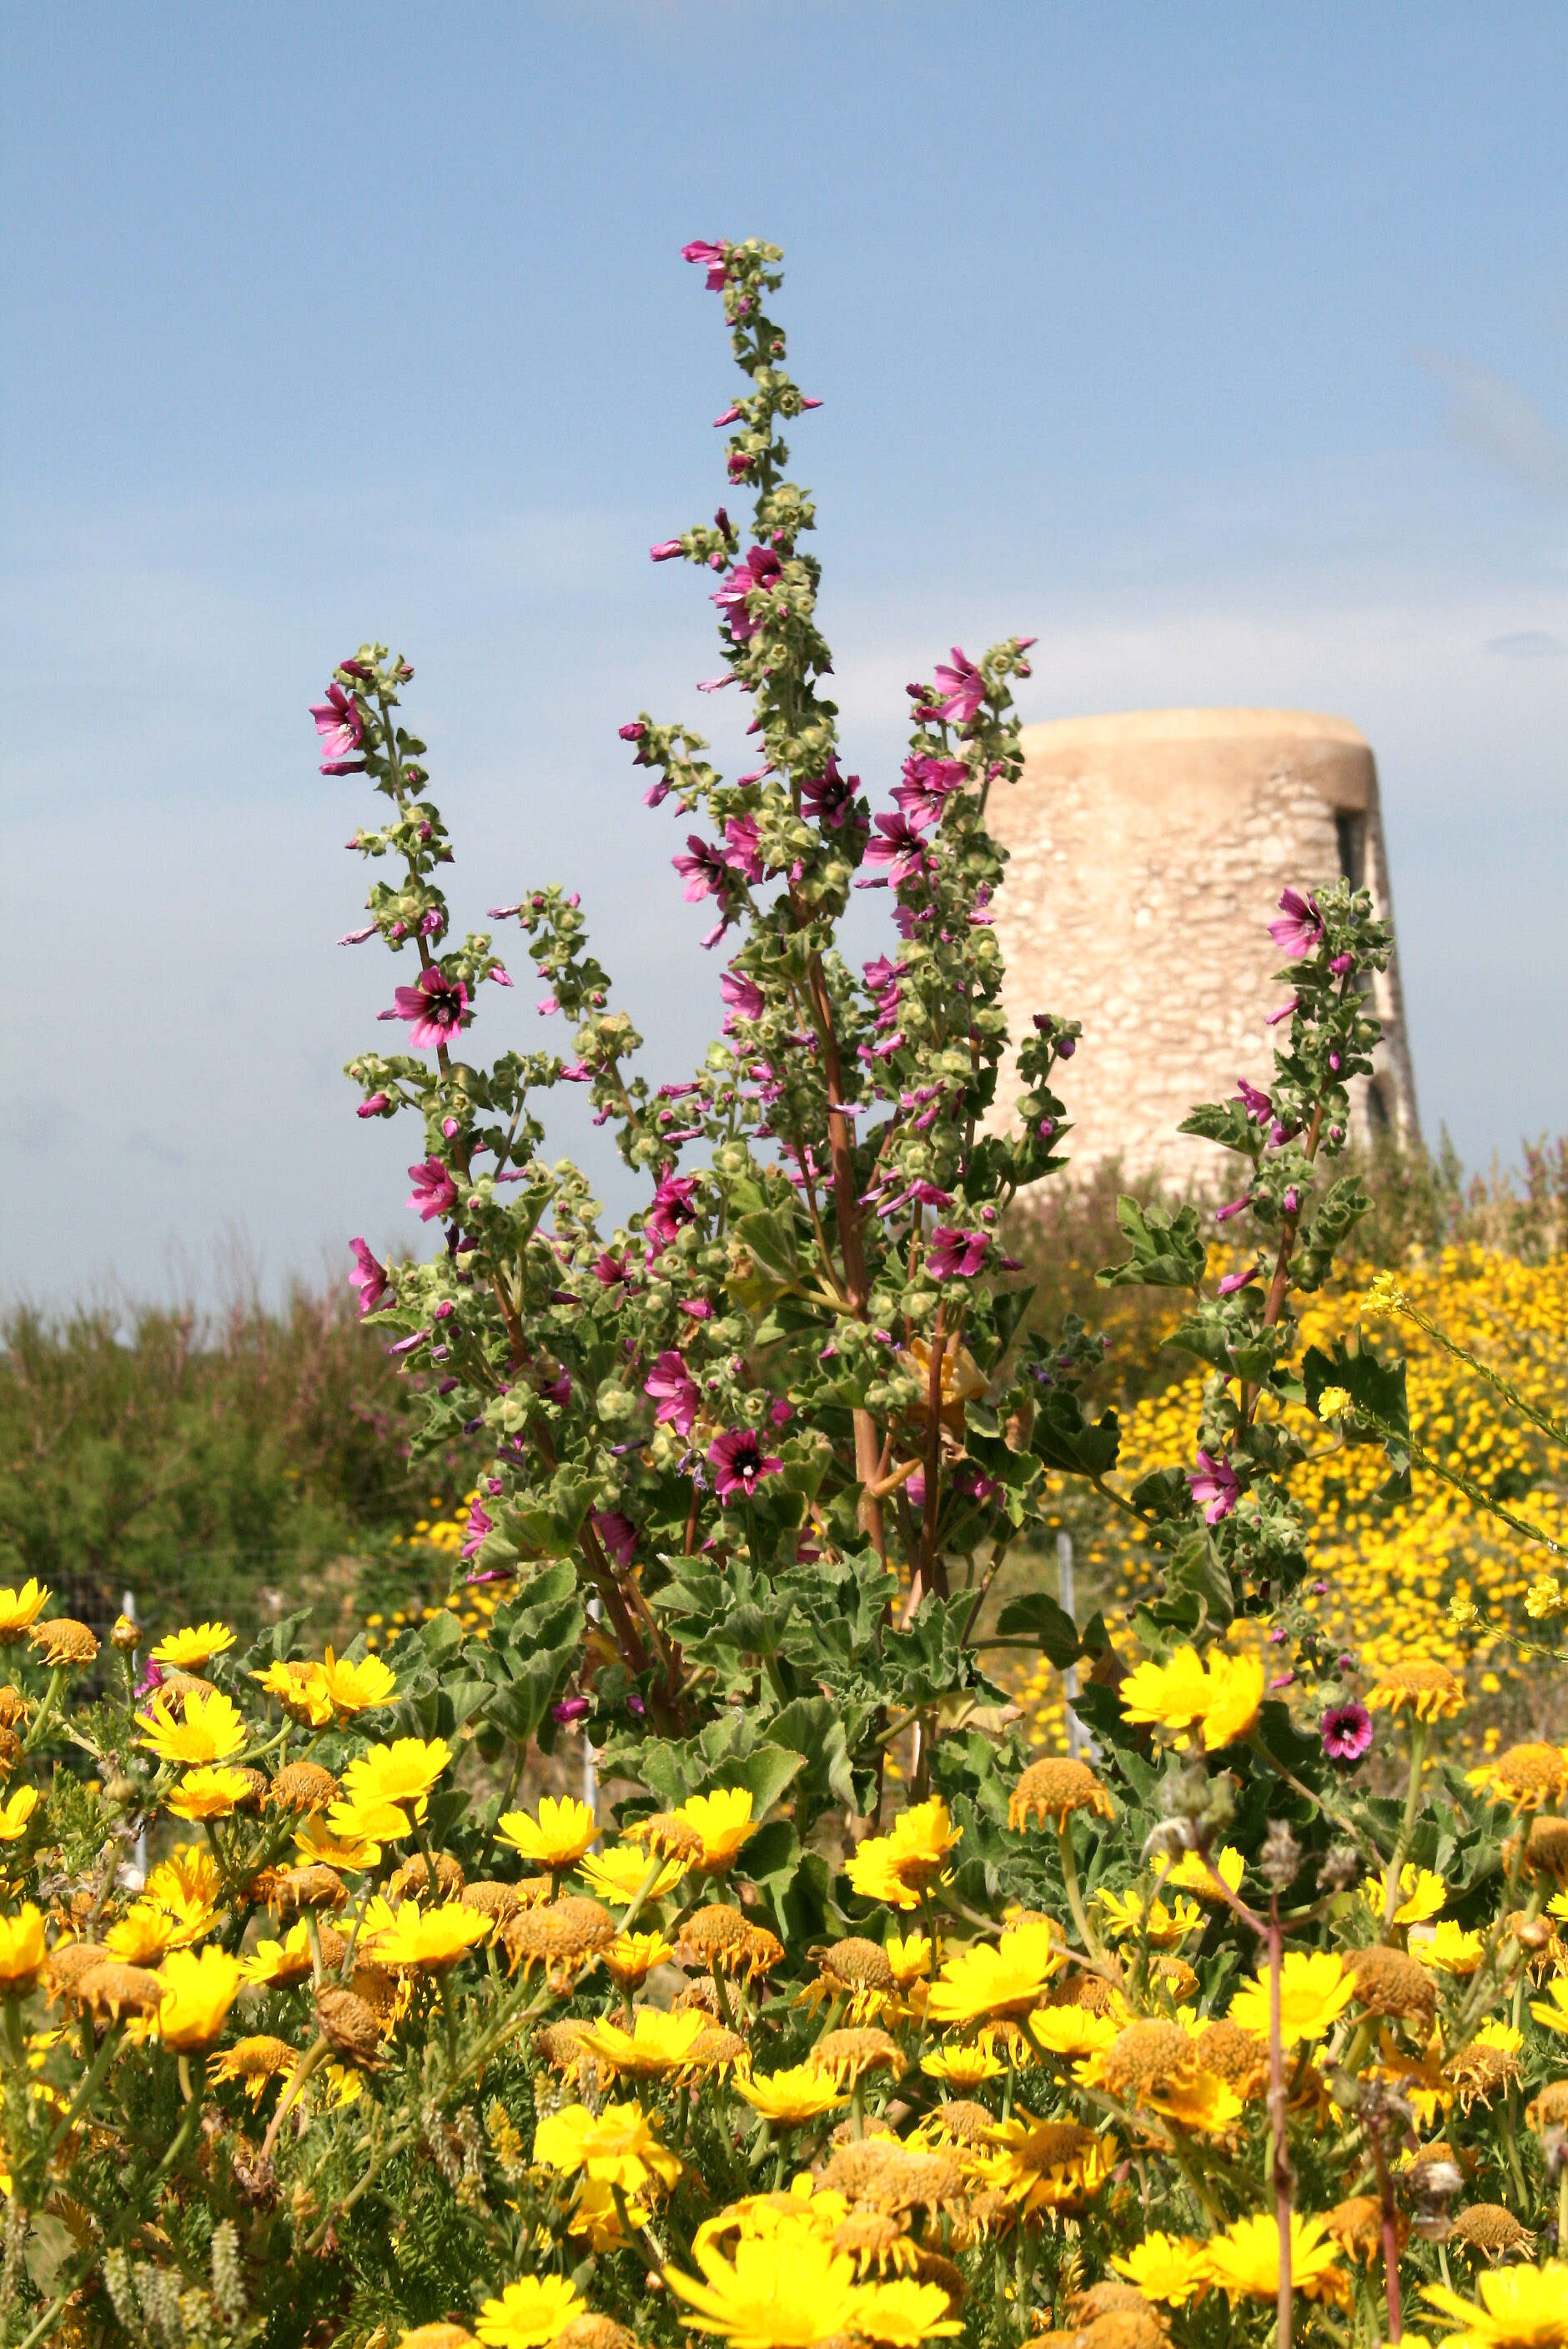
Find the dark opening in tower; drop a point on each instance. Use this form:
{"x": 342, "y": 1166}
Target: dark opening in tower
{"x": 1350, "y": 826}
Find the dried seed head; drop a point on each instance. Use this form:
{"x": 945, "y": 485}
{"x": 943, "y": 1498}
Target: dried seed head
{"x": 668, "y": 1834}
{"x": 348, "y": 2024}
{"x": 1487, "y": 2227}
{"x": 874, "y": 2239}
{"x": 1124, "y": 2328}
{"x": 983, "y": 2217}
{"x": 64, "y": 1640}
{"x": 1480, "y": 2071}
{"x": 501, "y": 1902}
{"x": 1050, "y": 1791}
{"x": 291, "y": 1890}
{"x": 1549, "y": 2109}
{"x": 848, "y": 2055}
{"x": 1279, "y": 1862}
{"x": 65, "y": 1966}
{"x": 961, "y": 2120}
{"x": 1387, "y": 1982}
{"x": 1356, "y": 2226}
{"x": 589, "y": 2331}
{"x": 412, "y": 1880}
{"x": 1419, "y": 1686}
{"x": 1343, "y": 1869}
{"x": 559, "y": 1935}
{"x": 712, "y": 1936}
{"x": 117, "y": 1990}
{"x": 855, "y": 1964}
{"x": 1146, "y": 2058}
{"x": 1101, "y": 2298}
{"x": 1545, "y": 1850}
{"x": 1529, "y": 1777}
{"x": 304, "y": 1788}
{"x": 1233, "y": 2056}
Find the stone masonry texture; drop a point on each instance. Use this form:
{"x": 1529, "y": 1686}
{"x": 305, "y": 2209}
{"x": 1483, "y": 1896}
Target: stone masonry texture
{"x": 1148, "y": 854}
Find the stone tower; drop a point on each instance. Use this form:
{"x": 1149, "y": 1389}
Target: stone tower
{"x": 1149, "y": 852}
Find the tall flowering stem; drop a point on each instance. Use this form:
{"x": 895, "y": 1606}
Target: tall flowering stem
{"x": 822, "y": 1283}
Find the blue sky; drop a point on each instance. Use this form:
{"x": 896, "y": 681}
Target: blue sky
{"x": 1224, "y": 349}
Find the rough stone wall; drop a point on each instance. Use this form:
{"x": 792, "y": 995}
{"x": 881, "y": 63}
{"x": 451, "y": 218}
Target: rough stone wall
{"x": 1148, "y": 854}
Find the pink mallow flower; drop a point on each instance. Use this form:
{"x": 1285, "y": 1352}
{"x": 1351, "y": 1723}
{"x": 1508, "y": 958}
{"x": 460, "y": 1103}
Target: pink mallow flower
{"x": 673, "y": 1391}
{"x": 962, "y": 688}
{"x": 708, "y": 256}
{"x": 1301, "y": 930}
{"x": 434, "y": 1193}
{"x": 341, "y": 730}
{"x": 703, "y": 869}
{"x": 479, "y": 1523}
{"x": 928, "y": 784}
{"x": 829, "y": 796}
{"x": 370, "y": 1278}
{"x": 1346, "y": 1731}
{"x": 740, "y": 1463}
{"x": 1258, "y": 1106}
{"x": 743, "y": 850}
{"x": 672, "y": 1208}
{"x": 759, "y": 568}
{"x": 1214, "y": 1486}
{"x": 373, "y": 1104}
{"x": 617, "y": 1533}
{"x": 956, "y": 1255}
{"x": 436, "y": 1006}
{"x": 743, "y": 996}
{"x": 901, "y": 847}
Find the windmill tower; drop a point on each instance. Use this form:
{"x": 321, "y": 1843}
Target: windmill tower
{"x": 1148, "y": 854}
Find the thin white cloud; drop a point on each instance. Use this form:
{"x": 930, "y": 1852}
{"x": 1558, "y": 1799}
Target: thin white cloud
{"x": 1496, "y": 419}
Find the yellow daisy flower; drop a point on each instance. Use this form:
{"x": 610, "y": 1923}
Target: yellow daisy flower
{"x": 188, "y": 1650}
{"x": 21, "y": 1950}
{"x": 15, "y": 1813}
{"x": 617, "y": 1875}
{"x": 791, "y": 2098}
{"x": 962, "y": 2067}
{"x": 1009, "y": 1977}
{"x": 1316, "y": 1987}
{"x": 356, "y": 1687}
{"x": 429, "y": 1940}
{"x": 20, "y": 1610}
{"x": 557, "y": 1838}
{"x": 199, "y": 1989}
{"x": 210, "y": 1792}
{"x": 211, "y": 1728}
{"x": 724, "y": 1821}
{"x": 1245, "y": 2260}
{"x": 899, "y": 1868}
{"x": 1169, "y": 2268}
{"x": 321, "y": 1845}
{"x": 658, "y": 2044}
{"x": 301, "y": 1689}
{"x": 529, "y": 2314}
{"x": 1520, "y": 2308}
{"x": 618, "y": 2146}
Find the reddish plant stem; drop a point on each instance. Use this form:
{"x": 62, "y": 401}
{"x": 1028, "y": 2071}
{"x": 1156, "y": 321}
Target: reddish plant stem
{"x": 930, "y": 1572}
{"x": 1390, "y": 2240}
{"x": 868, "y": 1445}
